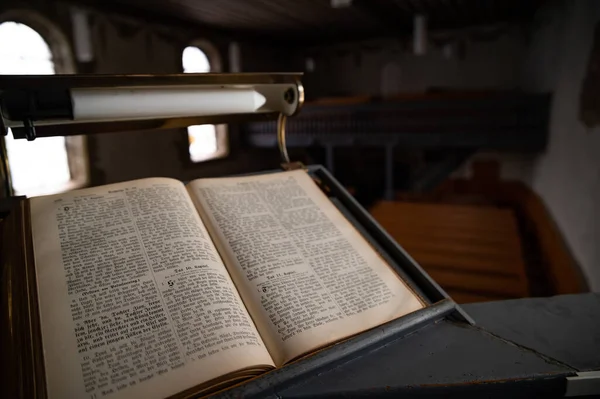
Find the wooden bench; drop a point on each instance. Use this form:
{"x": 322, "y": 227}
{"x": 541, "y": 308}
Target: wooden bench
{"x": 473, "y": 252}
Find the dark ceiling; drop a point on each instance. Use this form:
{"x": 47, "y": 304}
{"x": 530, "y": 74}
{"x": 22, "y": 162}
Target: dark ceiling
{"x": 314, "y": 21}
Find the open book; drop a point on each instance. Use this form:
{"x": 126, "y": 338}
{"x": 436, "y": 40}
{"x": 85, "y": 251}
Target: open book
{"x": 153, "y": 289}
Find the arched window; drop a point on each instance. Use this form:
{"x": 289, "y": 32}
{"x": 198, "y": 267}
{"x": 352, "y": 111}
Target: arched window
{"x": 206, "y": 142}
{"x": 46, "y": 165}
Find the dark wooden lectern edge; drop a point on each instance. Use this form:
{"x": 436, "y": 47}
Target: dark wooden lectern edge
{"x": 23, "y": 373}
{"x": 268, "y": 384}
{"x": 402, "y": 263}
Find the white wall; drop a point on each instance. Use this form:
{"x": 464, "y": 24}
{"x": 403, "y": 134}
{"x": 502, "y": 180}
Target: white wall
{"x": 567, "y": 175}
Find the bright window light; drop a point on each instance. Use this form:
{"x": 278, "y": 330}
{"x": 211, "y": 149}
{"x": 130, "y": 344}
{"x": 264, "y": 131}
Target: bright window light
{"x": 203, "y": 139}
{"x": 194, "y": 60}
{"x": 41, "y": 166}
{"x": 203, "y": 142}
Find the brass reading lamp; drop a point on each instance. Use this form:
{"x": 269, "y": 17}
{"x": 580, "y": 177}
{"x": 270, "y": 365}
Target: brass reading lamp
{"x": 66, "y": 105}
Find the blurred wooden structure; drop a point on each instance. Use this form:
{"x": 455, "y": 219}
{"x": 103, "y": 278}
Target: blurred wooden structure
{"x": 473, "y": 252}
{"x": 382, "y": 144}
{"x": 483, "y": 239}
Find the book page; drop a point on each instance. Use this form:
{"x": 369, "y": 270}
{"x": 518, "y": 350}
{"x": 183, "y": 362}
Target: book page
{"x": 134, "y": 298}
{"x": 306, "y": 275}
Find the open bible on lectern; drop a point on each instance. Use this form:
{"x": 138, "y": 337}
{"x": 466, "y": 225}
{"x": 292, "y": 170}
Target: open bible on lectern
{"x": 152, "y": 289}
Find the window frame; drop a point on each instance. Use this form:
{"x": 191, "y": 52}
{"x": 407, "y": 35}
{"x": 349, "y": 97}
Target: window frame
{"x": 221, "y": 130}
{"x": 64, "y": 63}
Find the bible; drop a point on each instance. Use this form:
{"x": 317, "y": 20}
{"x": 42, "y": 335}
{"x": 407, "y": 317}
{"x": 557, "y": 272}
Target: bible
{"x": 152, "y": 288}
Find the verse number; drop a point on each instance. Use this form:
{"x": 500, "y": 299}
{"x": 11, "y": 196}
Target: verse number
{"x": 171, "y": 283}
{"x": 264, "y": 289}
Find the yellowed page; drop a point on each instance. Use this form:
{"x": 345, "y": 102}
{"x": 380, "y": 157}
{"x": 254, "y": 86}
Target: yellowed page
{"x": 134, "y": 298}
{"x": 306, "y": 275}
